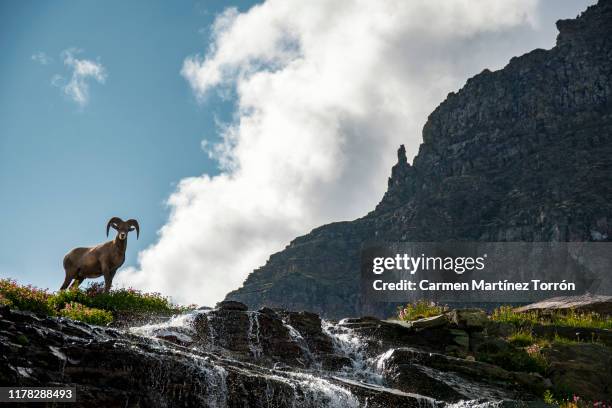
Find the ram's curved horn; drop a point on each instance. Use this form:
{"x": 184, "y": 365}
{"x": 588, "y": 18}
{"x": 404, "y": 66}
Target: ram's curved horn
{"x": 132, "y": 222}
{"x": 111, "y": 221}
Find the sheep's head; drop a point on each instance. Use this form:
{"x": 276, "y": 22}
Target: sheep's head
{"x": 123, "y": 227}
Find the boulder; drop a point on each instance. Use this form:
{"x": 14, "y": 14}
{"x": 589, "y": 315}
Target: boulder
{"x": 430, "y": 322}
{"x": 585, "y": 303}
{"x": 413, "y": 370}
{"x": 469, "y": 319}
{"x": 231, "y": 305}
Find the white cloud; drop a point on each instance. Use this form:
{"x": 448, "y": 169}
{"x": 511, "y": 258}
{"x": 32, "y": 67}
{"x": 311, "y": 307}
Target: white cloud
{"x": 326, "y": 91}
{"x": 82, "y": 71}
{"x": 41, "y": 58}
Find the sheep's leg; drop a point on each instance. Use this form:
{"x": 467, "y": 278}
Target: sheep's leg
{"x": 67, "y": 281}
{"x": 75, "y": 284}
{"x": 108, "y": 281}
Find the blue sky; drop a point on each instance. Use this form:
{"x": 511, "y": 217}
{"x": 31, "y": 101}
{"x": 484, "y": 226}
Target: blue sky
{"x": 65, "y": 169}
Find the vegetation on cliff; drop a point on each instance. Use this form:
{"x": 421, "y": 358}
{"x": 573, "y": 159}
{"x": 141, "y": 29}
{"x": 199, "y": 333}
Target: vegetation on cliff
{"x": 568, "y": 318}
{"x": 420, "y": 309}
{"x": 90, "y": 305}
{"x": 555, "y": 343}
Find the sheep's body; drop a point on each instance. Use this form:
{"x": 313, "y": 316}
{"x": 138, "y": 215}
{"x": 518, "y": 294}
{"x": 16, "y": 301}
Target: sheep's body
{"x": 90, "y": 263}
{"x": 100, "y": 260}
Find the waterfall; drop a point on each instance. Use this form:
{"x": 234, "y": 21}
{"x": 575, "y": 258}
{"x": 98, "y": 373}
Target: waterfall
{"x": 253, "y": 335}
{"x": 310, "y": 389}
{"x": 179, "y": 326}
{"x": 211, "y": 329}
{"x": 298, "y": 339}
{"x": 347, "y": 343}
{"x": 216, "y": 382}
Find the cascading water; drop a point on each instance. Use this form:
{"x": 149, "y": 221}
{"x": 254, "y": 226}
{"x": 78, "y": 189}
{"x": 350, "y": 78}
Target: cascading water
{"x": 350, "y": 345}
{"x": 216, "y": 384}
{"x": 253, "y": 335}
{"x": 312, "y": 387}
{"x": 180, "y": 327}
{"x": 310, "y": 391}
{"x": 298, "y": 339}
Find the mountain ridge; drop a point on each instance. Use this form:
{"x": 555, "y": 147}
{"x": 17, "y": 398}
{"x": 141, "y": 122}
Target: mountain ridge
{"x": 520, "y": 154}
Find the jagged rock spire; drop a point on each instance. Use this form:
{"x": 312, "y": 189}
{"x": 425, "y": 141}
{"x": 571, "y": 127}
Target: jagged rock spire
{"x": 401, "y": 155}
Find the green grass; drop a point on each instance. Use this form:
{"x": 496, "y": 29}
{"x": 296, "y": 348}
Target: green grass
{"x": 528, "y": 360}
{"x": 590, "y": 320}
{"x": 420, "y": 309}
{"x": 91, "y": 305}
{"x": 567, "y": 318}
{"x": 523, "y": 354}
{"x": 522, "y": 338}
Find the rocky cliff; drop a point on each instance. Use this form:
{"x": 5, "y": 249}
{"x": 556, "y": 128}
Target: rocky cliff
{"x": 234, "y": 357}
{"x": 520, "y": 154}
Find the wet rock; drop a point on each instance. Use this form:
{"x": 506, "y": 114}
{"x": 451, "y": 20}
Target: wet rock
{"x": 379, "y": 396}
{"x": 113, "y": 368}
{"x": 310, "y": 327}
{"x": 268, "y": 312}
{"x": 381, "y": 335}
{"x": 466, "y": 377}
{"x": 252, "y": 336}
{"x": 415, "y": 378}
{"x": 247, "y": 358}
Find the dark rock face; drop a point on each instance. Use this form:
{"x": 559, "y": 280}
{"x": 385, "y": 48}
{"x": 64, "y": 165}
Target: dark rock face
{"x": 520, "y": 154}
{"x": 241, "y": 358}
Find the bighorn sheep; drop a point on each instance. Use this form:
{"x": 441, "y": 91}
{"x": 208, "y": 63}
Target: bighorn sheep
{"x": 101, "y": 260}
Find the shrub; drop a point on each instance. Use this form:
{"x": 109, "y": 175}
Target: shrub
{"x": 25, "y": 297}
{"x": 116, "y": 301}
{"x": 521, "y": 338}
{"x": 119, "y": 301}
{"x": 77, "y": 311}
{"x": 549, "y": 398}
{"x": 535, "y": 353}
{"x": 572, "y": 318}
{"x": 506, "y": 314}
{"x": 565, "y": 398}
{"x": 568, "y": 318}
{"x": 62, "y": 297}
{"x": 420, "y": 309}
{"x": 4, "y": 301}
{"x": 517, "y": 360}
